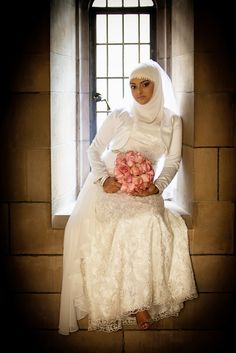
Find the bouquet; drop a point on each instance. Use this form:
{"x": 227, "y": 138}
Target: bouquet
{"x": 133, "y": 171}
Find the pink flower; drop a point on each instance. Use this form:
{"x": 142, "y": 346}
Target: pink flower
{"x": 133, "y": 171}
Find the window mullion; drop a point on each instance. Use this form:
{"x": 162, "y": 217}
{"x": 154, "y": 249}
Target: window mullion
{"x": 139, "y": 37}
{"x": 107, "y": 51}
{"x": 123, "y": 55}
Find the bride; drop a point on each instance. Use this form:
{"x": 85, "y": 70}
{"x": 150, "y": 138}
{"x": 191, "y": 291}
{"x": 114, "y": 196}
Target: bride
{"x": 126, "y": 256}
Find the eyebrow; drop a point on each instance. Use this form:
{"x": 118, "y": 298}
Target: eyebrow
{"x": 146, "y": 80}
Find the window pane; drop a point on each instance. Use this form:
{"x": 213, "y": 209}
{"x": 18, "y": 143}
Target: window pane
{"x": 115, "y": 60}
{"x": 130, "y": 28}
{"x": 130, "y": 3}
{"x": 144, "y": 52}
{"x": 114, "y": 28}
{"x": 146, "y": 3}
{"x": 101, "y": 28}
{"x": 101, "y": 60}
{"x": 144, "y": 28}
{"x": 114, "y": 3}
{"x": 100, "y": 119}
{"x": 127, "y": 91}
{"x": 99, "y": 3}
{"x": 115, "y": 94}
{"x": 130, "y": 58}
{"x": 101, "y": 107}
{"x": 101, "y": 88}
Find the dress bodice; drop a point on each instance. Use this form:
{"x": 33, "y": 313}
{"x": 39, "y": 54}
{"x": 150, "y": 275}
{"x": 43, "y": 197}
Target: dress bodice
{"x": 147, "y": 143}
{"x": 150, "y": 145}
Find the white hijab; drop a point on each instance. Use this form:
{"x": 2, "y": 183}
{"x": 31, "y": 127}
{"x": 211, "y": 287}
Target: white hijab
{"x": 163, "y": 94}
{"x": 153, "y": 116}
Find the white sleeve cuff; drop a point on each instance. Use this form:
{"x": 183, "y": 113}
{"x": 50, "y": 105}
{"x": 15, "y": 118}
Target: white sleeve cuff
{"x": 102, "y": 180}
{"x": 158, "y": 186}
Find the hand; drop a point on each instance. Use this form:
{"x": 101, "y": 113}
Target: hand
{"x": 111, "y": 185}
{"x": 150, "y": 191}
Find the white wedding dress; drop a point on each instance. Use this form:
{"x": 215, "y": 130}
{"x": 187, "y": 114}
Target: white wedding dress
{"x": 137, "y": 257}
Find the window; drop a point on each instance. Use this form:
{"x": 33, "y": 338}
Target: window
{"x": 121, "y": 37}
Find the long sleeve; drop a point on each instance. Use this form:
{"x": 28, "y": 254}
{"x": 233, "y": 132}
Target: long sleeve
{"x": 173, "y": 157}
{"x": 98, "y": 146}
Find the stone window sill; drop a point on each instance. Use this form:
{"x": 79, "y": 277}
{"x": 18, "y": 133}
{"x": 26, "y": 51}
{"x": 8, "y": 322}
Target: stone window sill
{"x": 60, "y": 219}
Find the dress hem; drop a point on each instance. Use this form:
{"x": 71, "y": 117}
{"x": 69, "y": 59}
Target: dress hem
{"x": 117, "y": 324}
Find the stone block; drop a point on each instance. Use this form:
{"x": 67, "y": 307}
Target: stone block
{"x": 28, "y": 121}
{"x": 183, "y": 73}
{"x": 37, "y": 311}
{"x": 185, "y": 180}
{"x": 81, "y": 341}
{"x": 63, "y": 29}
{"x": 214, "y": 73}
{"x": 31, "y": 231}
{"x": 213, "y": 31}
{"x": 227, "y": 174}
{"x": 175, "y": 341}
{"x": 213, "y": 119}
{"x": 215, "y": 273}
{"x": 35, "y": 273}
{"x": 13, "y": 179}
{"x": 4, "y": 228}
{"x": 30, "y": 72}
{"x": 38, "y": 175}
{"x": 63, "y": 118}
{"x": 63, "y": 74}
{"x": 213, "y": 228}
{"x": 205, "y": 174}
{"x": 182, "y": 24}
{"x": 64, "y": 186}
{"x": 186, "y": 107}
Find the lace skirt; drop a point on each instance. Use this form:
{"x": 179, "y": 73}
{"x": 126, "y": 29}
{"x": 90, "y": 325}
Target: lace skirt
{"x": 138, "y": 259}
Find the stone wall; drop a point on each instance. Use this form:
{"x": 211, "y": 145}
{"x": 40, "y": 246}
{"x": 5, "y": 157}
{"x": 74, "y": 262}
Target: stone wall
{"x": 203, "y": 52}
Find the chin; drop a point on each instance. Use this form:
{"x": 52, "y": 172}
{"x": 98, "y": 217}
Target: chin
{"x": 141, "y": 101}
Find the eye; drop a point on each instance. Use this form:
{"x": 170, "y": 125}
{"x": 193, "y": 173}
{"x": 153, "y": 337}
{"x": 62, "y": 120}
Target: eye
{"x": 132, "y": 86}
{"x": 146, "y": 83}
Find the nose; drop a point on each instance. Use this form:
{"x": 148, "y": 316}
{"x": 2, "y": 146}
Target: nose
{"x": 140, "y": 89}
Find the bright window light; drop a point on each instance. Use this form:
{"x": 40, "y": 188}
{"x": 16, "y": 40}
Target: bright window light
{"x": 122, "y": 41}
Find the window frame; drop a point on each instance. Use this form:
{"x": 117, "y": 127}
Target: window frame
{"x": 93, "y": 11}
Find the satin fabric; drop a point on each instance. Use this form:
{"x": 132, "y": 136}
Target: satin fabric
{"x": 118, "y": 128}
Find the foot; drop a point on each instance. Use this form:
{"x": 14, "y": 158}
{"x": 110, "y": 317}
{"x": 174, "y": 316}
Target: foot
{"x": 143, "y": 319}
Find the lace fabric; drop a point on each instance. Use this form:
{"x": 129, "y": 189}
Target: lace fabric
{"x": 137, "y": 258}
{"x": 139, "y": 261}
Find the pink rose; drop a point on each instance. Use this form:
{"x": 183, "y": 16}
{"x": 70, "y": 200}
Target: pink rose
{"x": 133, "y": 171}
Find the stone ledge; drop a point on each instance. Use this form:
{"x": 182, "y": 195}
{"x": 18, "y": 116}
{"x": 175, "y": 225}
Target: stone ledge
{"x": 60, "y": 219}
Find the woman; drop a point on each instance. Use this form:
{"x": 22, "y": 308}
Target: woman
{"x": 126, "y": 256}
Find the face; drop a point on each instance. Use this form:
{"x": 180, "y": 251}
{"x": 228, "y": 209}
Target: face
{"x": 142, "y": 90}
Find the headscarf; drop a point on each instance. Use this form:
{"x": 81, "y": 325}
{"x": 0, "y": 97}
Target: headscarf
{"x": 163, "y": 93}
{"x": 155, "y": 115}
